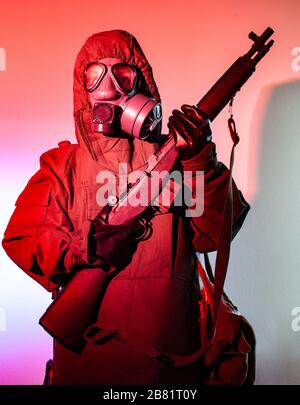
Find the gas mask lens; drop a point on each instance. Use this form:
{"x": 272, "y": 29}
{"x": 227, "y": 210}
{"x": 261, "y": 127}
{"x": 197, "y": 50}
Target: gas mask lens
{"x": 125, "y": 76}
{"x": 93, "y": 74}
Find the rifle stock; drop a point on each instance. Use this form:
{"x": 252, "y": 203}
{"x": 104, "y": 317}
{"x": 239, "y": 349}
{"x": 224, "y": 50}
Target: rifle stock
{"x": 76, "y": 307}
{"x": 69, "y": 315}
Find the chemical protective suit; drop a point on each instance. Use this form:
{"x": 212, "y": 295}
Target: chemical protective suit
{"x": 155, "y": 298}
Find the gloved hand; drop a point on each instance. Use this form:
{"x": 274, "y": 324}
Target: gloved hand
{"x": 112, "y": 245}
{"x": 191, "y": 130}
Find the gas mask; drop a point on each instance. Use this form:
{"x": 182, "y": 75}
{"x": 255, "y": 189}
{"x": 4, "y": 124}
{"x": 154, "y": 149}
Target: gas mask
{"x": 113, "y": 89}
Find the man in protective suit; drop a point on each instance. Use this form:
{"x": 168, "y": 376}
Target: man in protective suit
{"x": 154, "y": 299}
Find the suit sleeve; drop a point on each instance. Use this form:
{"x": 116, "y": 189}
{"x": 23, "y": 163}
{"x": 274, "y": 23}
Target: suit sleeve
{"x": 205, "y": 228}
{"x": 40, "y": 237}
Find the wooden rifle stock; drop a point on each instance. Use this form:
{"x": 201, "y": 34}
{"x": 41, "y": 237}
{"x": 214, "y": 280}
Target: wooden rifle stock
{"x": 76, "y": 307}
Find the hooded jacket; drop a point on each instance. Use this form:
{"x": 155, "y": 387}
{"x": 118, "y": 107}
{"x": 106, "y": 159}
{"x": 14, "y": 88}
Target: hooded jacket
{"x": 155, "y": 298}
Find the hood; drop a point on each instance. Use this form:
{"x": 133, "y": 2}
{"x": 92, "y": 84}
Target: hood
{"x": 110, "y": 44}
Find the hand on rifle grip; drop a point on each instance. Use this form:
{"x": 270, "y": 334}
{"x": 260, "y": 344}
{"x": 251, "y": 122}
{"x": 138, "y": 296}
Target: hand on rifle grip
{"x": 191, "y": 130}
{"x": 114, "y": 245}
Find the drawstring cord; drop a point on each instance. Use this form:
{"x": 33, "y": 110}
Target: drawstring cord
{"x": 80, "y": 122}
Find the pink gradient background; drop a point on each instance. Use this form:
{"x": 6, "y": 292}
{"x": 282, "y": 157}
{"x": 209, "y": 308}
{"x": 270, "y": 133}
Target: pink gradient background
{"x": 189, "y": 45}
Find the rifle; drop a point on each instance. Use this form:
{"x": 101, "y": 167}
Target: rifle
{"x": 77, "y": 305}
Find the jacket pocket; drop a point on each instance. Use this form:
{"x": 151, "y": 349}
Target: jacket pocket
{"x": 30, "y": 212}
{"x": 35, "y": 195}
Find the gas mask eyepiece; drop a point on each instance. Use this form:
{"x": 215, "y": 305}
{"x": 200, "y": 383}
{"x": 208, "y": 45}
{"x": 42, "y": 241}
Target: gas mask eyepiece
{"x": 117, "y": 105}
